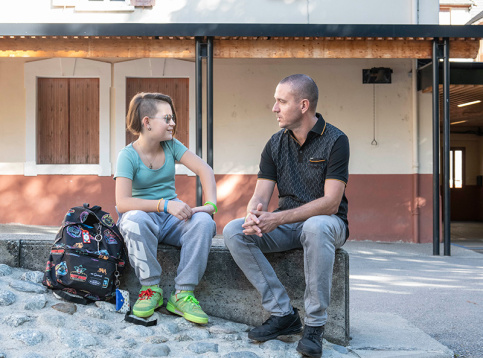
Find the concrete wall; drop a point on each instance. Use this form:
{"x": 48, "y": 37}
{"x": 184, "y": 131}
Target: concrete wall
{"x": 225, "y": 11}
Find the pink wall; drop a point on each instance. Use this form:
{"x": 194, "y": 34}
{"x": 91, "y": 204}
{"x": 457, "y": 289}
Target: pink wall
{"x": 381, "y": 207}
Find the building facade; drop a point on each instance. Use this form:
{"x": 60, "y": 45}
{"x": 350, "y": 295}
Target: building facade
{"x": 64, "y": 98}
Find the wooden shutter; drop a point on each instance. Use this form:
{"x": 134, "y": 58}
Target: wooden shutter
{"x": 53, "y": 121}
{"x": 84, "y": 120}
{"x": 68, "y": 121}
{"x": 176, "y": 88}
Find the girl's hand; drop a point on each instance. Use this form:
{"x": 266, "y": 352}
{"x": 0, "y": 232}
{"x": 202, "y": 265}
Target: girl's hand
{"x": 203, "y": 209}
{"x": 179, "y": 209}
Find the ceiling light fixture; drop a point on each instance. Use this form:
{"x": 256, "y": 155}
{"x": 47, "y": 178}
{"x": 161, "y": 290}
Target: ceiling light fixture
{"x": 458, "y": 122}
{"x": 469, "y": 103}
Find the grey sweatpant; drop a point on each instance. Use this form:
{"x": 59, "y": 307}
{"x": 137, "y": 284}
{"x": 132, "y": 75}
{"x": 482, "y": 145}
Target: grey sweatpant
{"x": 143, "y": 232}
{"x": 319, "y": 236}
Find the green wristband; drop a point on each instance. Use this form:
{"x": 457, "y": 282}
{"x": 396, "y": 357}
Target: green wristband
{"x": 214, "y": 206}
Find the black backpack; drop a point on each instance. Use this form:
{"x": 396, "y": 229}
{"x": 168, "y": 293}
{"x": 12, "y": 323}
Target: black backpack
{"x": 87, "y": 257}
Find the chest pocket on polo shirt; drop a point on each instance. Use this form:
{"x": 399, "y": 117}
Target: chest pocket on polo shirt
{"x": 317, "y": 164}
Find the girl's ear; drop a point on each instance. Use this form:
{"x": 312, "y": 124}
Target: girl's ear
{"x": 145, "y": 122}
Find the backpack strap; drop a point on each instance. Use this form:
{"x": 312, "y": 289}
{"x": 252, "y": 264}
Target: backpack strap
{"x": 72, "y": 298}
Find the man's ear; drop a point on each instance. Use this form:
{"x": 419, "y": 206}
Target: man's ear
{"x": 304, "y": 106}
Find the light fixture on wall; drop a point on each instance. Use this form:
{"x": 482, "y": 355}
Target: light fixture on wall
{"x": 374, "y": 76}
{"x": 377, "y": 75}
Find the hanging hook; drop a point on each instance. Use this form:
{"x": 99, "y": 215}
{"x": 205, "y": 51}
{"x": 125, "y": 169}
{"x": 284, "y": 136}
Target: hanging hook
{"x": 374, "y": 141}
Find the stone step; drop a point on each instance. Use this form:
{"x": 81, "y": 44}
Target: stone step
{"x": 224, "y": 290}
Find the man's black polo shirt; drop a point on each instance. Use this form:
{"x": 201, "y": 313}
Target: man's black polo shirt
{"x": 300, "y": 171}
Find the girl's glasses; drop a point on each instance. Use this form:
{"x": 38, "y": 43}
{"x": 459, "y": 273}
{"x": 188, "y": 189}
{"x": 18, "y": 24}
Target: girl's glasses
{"x": 167, "y": 118}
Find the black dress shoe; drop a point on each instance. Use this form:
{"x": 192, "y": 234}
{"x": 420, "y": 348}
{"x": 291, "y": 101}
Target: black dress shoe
{"x": 277, "y": 326}
{"x": 311, "y": 343}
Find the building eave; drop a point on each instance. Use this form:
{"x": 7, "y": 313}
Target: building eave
{"x": 249, "y": 30}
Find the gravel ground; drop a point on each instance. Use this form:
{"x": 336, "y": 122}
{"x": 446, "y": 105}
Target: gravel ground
{"x": 35, "y": 324}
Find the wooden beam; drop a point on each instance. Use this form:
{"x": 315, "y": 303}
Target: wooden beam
{"x": 95, "y": 48}
{"x": 47, "y": 47}
{"x": 338, "y": 48}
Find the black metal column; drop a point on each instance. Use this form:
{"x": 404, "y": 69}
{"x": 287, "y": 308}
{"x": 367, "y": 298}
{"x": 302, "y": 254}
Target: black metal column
{"x": 436, "y": 133}
{"x": 446, "y": 152}
{"x": 204, "y": 49}
{"x": 209, "y": 102}
{"x": 199, "y": 111}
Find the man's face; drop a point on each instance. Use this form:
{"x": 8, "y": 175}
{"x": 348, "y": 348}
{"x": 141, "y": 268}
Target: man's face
{"x": 287, "y": 108}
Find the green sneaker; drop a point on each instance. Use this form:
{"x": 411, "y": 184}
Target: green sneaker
{"x": 186, "y": 305}
{"x": 150, "y": 298}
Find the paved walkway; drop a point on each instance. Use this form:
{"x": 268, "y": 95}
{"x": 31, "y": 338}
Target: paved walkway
{"x": 404, "y": 302}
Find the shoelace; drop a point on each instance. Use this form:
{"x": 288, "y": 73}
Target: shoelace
{"x": 269, "y": 320}
{"x": 191, "y": 298}
{"x": 146, "y": 295}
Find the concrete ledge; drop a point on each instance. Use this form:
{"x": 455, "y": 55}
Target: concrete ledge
{"x": 224, "y": 291}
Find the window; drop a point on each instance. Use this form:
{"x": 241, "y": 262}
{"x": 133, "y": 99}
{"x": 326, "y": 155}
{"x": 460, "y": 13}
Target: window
{"x": 96, "y": 5}
{"x": 68, "y": 121}
{"x": 456, "y": 168}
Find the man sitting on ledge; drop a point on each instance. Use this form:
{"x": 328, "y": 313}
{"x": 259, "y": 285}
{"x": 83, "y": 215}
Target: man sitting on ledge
{"x": 308, "y": 160}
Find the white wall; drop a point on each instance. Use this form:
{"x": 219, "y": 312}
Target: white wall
{"x": 229, "y": 11}
{"x": 244, "y": 121}
{"x": 12, "y": 112}
{"x": 425, "y": 140}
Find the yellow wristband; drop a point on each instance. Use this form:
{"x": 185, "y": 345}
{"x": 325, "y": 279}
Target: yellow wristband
{"x": 214, "y": 206}
{"x": 159, "y": 202}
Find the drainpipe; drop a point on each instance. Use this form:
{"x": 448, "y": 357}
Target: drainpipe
{"x": 415, "y": 12}
{"x": 415, "y": 211}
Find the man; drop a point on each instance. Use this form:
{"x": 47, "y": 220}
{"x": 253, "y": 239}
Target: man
{"x": 308, "y": 160}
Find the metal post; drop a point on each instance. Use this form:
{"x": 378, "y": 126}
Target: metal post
{"x": 436, "y": 236}
{"x": 209, "y": 102}
{"x": 199, "y": 112}
{"x": 446, "y": 152}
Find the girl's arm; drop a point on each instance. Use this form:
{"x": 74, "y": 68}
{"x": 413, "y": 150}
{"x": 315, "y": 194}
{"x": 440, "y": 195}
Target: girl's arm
{"x": 207, "y": 178}
{"x": 125, "y": 202}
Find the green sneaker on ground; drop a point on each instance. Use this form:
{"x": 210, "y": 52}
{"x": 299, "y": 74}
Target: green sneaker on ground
{"x": 150, "y": 298}
{"x": 186, "y": 305}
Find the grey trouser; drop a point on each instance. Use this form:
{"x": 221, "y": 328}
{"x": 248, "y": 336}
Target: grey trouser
{"x": 143, "y": 232}
{"x": 319, "y": 236}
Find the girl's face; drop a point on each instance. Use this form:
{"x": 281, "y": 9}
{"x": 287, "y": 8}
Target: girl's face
{"x": 162, "y": 123}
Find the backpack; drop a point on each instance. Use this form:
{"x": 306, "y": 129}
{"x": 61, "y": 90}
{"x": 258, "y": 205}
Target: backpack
{"x": 87, "y": 257}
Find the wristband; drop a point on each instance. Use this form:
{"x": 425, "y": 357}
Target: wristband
{"x": 166, "y": 206}
{"x": 214, "y": 206}
{"x": 157, "y": 207}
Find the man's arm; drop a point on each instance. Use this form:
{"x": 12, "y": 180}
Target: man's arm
{"x": 327, "y": 205}
{"x": 259, "y": 201}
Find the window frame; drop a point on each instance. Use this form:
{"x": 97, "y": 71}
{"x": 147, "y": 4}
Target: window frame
{"x": 61, "y": 68}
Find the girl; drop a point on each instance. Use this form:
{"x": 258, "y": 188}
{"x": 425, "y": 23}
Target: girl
{"x": 150, "y": 211}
